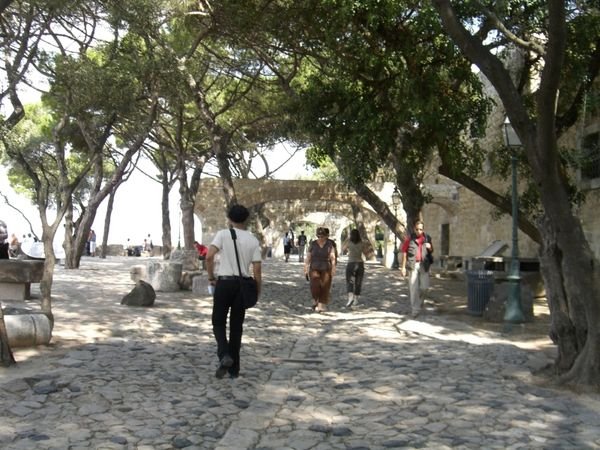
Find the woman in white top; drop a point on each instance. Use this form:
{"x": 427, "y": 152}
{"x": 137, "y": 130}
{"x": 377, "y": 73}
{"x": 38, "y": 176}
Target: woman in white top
{"x": 355, "y": 270}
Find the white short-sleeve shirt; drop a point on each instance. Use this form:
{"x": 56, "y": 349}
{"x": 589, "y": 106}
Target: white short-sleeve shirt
{"x": 248, "y": 249}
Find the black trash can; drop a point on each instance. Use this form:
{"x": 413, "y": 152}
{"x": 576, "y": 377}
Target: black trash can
{"x": 480, "y": 285}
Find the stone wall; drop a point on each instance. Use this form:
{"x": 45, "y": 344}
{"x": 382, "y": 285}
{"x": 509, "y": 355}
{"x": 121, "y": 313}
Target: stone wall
{"x": 472, "y": 227}
{"x": 288, "y": 201}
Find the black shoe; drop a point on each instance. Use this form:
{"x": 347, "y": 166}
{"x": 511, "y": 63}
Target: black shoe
{"x": 234, "y": 375}
{"x": 224, "y": 365}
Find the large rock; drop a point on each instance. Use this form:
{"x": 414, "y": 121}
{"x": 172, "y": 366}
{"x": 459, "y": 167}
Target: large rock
{"x": 141, "y": 295}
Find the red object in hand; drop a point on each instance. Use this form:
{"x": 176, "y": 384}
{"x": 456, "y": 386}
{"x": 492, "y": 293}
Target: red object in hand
{"x": 201, "y": 249}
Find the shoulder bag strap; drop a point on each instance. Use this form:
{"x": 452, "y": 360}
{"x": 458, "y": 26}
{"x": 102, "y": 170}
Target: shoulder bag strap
{"x": 237, "y": 257}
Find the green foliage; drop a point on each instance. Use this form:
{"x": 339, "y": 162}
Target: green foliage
{"x": 30, "y": 153}
{"x": 386, "y": 70}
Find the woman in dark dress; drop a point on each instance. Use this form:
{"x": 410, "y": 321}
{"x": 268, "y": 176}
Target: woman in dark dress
{"x": 319, "y": 267}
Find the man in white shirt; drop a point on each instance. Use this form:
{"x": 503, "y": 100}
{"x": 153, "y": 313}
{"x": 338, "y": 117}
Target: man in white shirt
{"x": 226, "y": 295}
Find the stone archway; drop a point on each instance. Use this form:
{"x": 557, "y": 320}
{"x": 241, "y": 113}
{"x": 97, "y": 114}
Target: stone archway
{"x": 285, "y": 202}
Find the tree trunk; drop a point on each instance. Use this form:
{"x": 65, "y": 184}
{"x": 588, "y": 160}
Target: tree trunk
{"x": 167, "y": 245}
{"x": 381, "y": 209}
{"x": 369, "y": 250}
{"x": 6, "y": 355}
{"x": 109, "y": 209}
{"x": 568, "y": 266}
{"x": 48, "y": 276}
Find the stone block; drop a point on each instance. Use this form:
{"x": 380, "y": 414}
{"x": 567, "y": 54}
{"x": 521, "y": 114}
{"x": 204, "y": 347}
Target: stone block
{"x": 15, "y": 291}
{"x": 187, "y": 278}
{"x": 164, "y": 276}
{"x": 16, "y": 276}
{"x": 200, "y": 285}
{"x": 187, "y": 258}
{"x": 21, "y": 270}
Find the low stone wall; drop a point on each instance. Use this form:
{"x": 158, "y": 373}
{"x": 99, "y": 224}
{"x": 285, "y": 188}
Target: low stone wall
{"x": 118, "y": 250}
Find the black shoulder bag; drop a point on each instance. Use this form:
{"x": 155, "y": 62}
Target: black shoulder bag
{"x": 248, "y": 287}
{"x": 428, "y": 260}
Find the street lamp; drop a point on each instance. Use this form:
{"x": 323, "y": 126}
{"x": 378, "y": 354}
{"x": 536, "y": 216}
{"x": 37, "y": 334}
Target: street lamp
{"x": 514, "y": 311}
{"x": 179, "y": 232}
{"x": 396, "y": 202}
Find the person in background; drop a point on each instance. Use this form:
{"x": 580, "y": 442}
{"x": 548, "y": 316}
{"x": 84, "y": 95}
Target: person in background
{"x": 288, "y": 243}
{"x": 201, "y": 249}
{"x": 416, "y": 249}
{"x": 226, "y": 298}
{"x": 301, "y": 246}
{"x": 127, "y": 250}
{"x": 3, "y": 243}
{"x": 319, "y": 268}
{"x": 92, "y": 243}
{"x": 202, "y": 252}
{"x": 13, "y": 246}
{"x": 355, "y": 269}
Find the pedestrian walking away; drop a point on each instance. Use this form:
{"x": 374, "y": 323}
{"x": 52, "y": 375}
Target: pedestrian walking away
{"x": 417, "y": 256}
{"x": 288, "y": 244}
{"x": 301, "y": 246}
{"x": 227, "y": 300}
{"x": 319, "y": 266}
{"x": 355, "y": 269}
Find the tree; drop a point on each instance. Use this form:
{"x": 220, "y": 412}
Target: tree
{"x": 23, "y": 24}
{"x": 559, "y": 38}
{"x": 363, "y": 53}
{"x": 102, "y": 93}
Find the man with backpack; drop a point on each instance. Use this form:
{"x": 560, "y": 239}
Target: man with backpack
{"x": 301, "y": 246}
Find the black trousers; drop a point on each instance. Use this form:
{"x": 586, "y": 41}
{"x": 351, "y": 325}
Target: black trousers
{"x": 227, "y": 301}
{"x": 4, "y": 250}
{"x": 355, "y": 272}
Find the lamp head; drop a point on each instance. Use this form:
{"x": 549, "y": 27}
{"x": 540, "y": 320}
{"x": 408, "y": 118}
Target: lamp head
{"x": 509, "y": 136}
{"x": 396, "y": 197}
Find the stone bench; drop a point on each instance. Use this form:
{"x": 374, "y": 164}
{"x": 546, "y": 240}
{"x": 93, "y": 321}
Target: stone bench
{"x": 16, "y": 276}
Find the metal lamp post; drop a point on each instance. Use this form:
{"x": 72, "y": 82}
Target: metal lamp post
{"x": 179, "y": 232}
{"x": 514, "y": 311}
{"x": 396, "y": 203}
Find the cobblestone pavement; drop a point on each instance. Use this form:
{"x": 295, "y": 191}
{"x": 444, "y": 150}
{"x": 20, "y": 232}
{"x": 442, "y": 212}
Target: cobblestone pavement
{"x": 117, "y": 377}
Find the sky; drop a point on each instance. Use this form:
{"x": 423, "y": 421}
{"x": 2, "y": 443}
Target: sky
{"x": 137, "y": 209}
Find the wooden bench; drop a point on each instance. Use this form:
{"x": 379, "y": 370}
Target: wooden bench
{"x": 16, "y": 276}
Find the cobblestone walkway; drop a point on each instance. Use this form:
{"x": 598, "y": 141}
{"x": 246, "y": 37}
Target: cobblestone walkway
{"x": 367, "y": 378}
